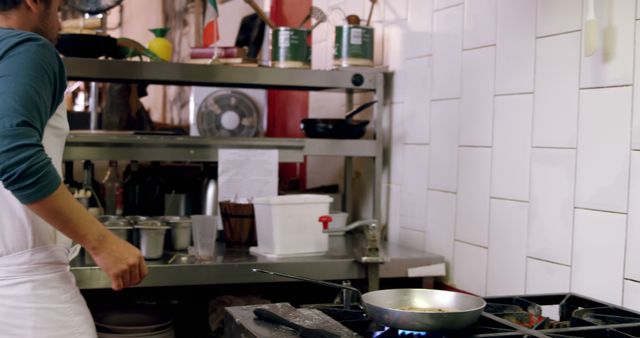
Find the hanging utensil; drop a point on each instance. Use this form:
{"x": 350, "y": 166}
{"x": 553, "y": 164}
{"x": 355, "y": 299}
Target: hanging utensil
{"x": 373, "y": 3}
{"x": 319, "y": 16}
{"x": 261, "y": 13}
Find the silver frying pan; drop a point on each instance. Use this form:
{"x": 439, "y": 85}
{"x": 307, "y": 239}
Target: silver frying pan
{"x": 413, "y": 309}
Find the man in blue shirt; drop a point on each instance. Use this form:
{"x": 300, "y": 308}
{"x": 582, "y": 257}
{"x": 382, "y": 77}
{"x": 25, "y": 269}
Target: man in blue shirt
{"x": 38, "y": 216}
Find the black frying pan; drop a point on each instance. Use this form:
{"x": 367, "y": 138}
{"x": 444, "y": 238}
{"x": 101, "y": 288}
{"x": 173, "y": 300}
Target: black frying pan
{"x": 346, "y": 128}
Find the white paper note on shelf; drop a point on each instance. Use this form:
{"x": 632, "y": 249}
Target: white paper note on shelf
{"x": 247, "y": 173}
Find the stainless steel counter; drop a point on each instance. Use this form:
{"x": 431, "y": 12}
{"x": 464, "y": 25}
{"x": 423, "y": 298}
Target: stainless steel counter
{"x": 233, "y": 266}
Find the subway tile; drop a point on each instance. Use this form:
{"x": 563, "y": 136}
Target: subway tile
{"x": 476, "y": 117}
{"x": 397, "y": 144}
{"x": 618, "y": 69}
{"x": 413, "y": 212}
{"x": 418, "y": 72}
{"x": 511, "y": 147}
{"x": 632, "y": 263}
{"x": 395, "y": 10}
{"x": 555, "y": 17}
{"x": 551, "y": 204}
{"x": 544, "y": 277}
{"x": 447, "y": 53}
{"x": 412, "y": 239}
{"x": 472, "y": 205}
{"x": 479, "y": 23}
{"x": 443, "y": 158}
{"x": 598, "y": 255}
{"x": 394, "y": 58}
{"x": 420, "y": 33}
{"x": 515, "y": 46}
{"x": 635, "y": 141}
{"x": 319, "y": 56}
{"x": 441, "y": 218}
{"x": 507, "y": 248}
{"x": 603, "y": 149}
{"x": 470, "y": 268}
{"x": 631, "y": 298}
{"x": 395, "y": 200}
{"x": 439, "y": 4}
{"x": 555, "y": 119}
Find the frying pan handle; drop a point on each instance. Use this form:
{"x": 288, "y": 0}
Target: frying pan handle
{"x": 359, "y": 109}
{"x": 314, "y": 281}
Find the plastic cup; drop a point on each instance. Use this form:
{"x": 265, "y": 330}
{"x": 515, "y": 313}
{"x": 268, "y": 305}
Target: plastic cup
{"x": 204, "y": 235}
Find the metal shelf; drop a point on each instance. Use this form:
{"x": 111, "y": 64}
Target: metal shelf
{"x": 121, "y": 146}
{"x": 360, "y": 79}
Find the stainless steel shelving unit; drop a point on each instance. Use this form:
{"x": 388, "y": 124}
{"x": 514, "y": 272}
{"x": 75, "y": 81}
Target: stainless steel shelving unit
{"x": 124, "y": 146}
{"x": 105, "y": 146}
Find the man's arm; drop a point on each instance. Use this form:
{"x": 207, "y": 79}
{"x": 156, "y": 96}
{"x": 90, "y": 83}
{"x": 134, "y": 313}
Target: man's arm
{"x": 121, "y": 261}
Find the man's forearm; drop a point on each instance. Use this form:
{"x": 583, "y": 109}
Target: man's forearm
{"x": 64, "y": 213}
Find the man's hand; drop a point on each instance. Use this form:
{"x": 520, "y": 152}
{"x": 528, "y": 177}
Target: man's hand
{"x": 122, "y": 262}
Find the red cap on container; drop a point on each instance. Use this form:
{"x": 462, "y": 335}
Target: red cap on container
{"x": 325, "y": 220}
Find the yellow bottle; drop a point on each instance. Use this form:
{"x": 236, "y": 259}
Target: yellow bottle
{"x": 160, "y": 45}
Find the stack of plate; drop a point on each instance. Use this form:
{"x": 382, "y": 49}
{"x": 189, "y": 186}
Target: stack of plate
{"x": 134, "y": 323}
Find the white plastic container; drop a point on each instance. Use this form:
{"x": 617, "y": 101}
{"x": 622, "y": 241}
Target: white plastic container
{"x": 288, "y": 225}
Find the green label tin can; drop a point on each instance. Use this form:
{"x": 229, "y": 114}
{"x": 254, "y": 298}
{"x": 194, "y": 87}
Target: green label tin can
{"x": 290, "y": 48}
{"x": 353, "y": 46}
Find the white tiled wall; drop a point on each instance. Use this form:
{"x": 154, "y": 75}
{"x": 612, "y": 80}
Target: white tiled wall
{"x": 518, "y": 156}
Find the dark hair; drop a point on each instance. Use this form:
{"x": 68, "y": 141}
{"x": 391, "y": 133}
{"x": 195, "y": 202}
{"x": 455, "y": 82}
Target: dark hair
{"x": 6, "y": 5}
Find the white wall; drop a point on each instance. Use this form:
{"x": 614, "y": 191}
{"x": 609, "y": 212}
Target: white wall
{"x": 524, "y": 152}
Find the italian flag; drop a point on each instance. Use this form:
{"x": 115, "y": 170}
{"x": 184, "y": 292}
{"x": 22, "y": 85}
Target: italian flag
{"x": 211, "y": 32}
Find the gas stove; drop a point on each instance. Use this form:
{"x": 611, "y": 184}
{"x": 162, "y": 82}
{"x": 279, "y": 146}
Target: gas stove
{"x": 555, "y": 316}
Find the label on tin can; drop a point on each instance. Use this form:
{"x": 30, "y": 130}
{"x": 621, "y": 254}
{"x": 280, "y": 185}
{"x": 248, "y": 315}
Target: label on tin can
{"x": 290, "y": 44}
{"x": 354, "y": 42}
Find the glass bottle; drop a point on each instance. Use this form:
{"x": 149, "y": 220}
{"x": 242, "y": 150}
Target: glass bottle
{"x": 91, "y": 184}
{"x": 112, "y": 186}
{"x": 153, "y": 192}
{"x": 133, "y": 190}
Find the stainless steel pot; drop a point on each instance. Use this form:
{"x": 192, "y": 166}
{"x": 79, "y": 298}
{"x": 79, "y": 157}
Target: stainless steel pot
{"x": 413, "y": 309}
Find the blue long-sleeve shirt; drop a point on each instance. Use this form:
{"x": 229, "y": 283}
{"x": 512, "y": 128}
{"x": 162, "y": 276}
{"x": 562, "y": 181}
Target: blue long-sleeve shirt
{"x": 32, "y": 84}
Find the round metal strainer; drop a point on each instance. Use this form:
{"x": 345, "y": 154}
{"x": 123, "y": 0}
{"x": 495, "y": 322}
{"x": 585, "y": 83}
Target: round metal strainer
{"x": 93, "y": 6}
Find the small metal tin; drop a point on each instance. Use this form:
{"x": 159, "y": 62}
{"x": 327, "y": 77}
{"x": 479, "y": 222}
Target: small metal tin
{"x": 151, "y": 234}
{"x": 290, "y": 48}
{"x": 353, "y": 46}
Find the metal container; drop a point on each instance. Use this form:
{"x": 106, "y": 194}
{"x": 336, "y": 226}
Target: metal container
{"x": 120, "y": 228}
{"x": 353, "y": 46}
{"x": 180, "y": 231}
{"x": 151, "y": 234}
{"x": 290, "y": 48}
{"x": 116, "y": 224}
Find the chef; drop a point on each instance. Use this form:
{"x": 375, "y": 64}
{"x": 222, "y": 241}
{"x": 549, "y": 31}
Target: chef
{"x": 38, "y": 216}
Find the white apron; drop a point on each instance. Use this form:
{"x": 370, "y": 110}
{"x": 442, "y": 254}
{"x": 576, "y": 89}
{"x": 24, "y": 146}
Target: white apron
{"x": 38, "y": 293}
